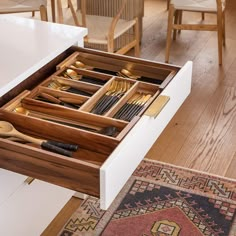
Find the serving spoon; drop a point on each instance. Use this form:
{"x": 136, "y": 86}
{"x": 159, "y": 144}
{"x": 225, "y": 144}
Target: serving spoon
{"x": 8, "y": 130}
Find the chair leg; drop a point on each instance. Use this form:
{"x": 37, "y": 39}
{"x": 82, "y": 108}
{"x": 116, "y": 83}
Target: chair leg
{"x": 110, "y": 45}
{"x": 176, "y": 21}
{"x": 53, "y": 8}
{"x": 169, "y": 30}
{"x": 168, "y": 5}
{"x": 203, "y": 16}
{"x": 137, "y": 38}
{"x": 223, "y": 27}
{"x": 60, "y": 12}
{"x": 43, "y": 13}
{"x": 33, "y": 13}
{"x": 180, "y": 19}
{"x": 220, "y": 34}
{"x": 73, "y": 12}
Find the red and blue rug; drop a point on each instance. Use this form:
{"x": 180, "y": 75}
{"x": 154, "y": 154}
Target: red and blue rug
{"x": 161, "y": 200}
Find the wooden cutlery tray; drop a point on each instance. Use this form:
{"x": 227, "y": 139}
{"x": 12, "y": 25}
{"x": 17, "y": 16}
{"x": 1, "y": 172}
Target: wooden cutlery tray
{"x": 95, "y": 100}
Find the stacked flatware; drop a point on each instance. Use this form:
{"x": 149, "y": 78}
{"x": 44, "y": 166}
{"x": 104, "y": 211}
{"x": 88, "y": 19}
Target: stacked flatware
{"x": 116, "y": 90}
{"x": 127, "y": 74}
{"x": 72, "y": 74}
{"x": 132, "y": 107}
{"x": 55, "y": 84}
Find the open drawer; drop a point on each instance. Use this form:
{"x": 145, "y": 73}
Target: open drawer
{"x": 113, "y": 107}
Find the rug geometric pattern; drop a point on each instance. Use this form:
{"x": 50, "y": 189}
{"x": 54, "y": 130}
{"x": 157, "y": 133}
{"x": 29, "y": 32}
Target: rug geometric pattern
{"x": 161, "y": 200}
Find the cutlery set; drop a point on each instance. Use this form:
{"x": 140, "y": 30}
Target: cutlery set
{"x": 132, "y": 107}
{"x": 72, "y": 74}
{"x": 55, "y": 84}
{"x": 116, "y": 90}
{"x": 100, "y": 105}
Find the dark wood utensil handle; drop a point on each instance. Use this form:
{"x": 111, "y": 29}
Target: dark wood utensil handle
{"x": 68, "y": 146}
{"x": 56, "y": 149}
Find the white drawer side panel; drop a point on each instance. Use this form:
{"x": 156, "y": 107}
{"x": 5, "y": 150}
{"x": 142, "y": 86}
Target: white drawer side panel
{"x": 123, "y": 161}
{"x": 29, "y": 210}
{"x": 10, "y": 182}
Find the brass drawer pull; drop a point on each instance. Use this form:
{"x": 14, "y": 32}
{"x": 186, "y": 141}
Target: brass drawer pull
{"x": 29, "y": 180}
{"x": 157, "y": 106}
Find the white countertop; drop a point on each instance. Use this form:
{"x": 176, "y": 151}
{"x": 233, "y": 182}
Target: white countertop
{"x": 26, "y": 45}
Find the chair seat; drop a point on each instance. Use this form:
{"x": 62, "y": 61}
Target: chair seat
{"x": 196, "y": 5}
{"x": 7, "y": 6}
{"x": 98, "y": 28}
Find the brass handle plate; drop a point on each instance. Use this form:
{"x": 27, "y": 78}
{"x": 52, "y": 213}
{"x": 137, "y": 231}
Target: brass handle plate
{"x": 29, "y": 180}
{"x": 157, "y": 106}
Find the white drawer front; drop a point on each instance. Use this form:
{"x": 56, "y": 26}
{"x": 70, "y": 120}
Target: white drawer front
{"x": 10, "y": 182}
{"x": 122, "y": 162}
{"x": 29, "y": 210}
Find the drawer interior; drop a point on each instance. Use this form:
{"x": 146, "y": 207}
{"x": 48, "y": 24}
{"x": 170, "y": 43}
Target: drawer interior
{"x": 116, "y": 65}
{"x": 83, "y": 97}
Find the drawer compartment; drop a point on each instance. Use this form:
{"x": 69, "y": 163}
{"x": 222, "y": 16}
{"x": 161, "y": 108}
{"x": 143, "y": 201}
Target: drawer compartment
{"x": 101, "y": 102}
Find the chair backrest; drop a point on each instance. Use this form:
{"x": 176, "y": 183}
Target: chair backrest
{"x": 103, "y": 8}
{"x": 134, "y": 8}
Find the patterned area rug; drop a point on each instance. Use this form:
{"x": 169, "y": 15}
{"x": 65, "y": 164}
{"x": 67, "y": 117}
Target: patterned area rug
{"x": 161, "y": 200}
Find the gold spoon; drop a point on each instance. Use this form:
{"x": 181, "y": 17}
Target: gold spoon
{"x": 21, "y": 110}
{"x": 79, "y": 64}
{"x": 71, "y": 74}
{"x": 129, "y": 74}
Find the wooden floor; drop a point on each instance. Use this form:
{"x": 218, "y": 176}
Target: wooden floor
{"x": 202, "y": 134}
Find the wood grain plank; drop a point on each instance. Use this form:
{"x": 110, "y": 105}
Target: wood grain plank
{"x": 210, "y": 146}
{"x": 231, "y": 173}
{"x": 207, "y": 78}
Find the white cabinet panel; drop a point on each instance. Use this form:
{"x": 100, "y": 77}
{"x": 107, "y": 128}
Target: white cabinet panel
{"x": 29, "y": 210}
{"x": 10, "y": 182}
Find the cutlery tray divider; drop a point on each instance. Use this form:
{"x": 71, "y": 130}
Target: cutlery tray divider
{"x": 68, "y": 114}
{"x": 70, "y": 60}
{"x": 53, "y": 131}
{"x": 60, "y": 95}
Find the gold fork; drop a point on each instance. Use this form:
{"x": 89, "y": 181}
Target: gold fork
{"x": 112, "y": 98}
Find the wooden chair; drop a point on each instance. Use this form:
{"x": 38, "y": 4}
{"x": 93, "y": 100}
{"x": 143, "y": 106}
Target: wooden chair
{"x": 18, "y": 6}
{"x": 176, "y": 8}
{"x": 105, "y": 30}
